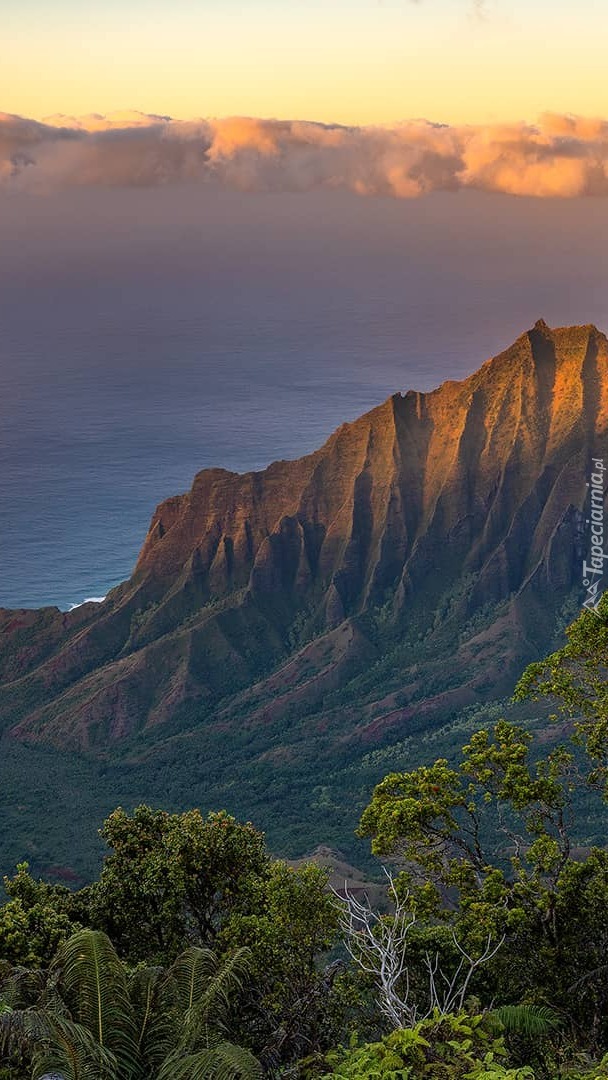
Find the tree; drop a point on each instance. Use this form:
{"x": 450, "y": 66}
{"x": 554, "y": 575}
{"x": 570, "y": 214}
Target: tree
{"x": 36, "y": 919}
{"x": 289, "y": 922}
{"x": 176, "y": 879}
{"x": 172, "y": 879}
{"x": 459, "y": 829}
{"x": 487, "y": 850}
{"x": 576, "y": 676}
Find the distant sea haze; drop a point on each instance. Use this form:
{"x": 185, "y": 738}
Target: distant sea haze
{"x": 145, "y": 335}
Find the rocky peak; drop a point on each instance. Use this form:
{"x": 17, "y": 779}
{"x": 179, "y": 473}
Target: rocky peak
{"x": 431, "y": 507}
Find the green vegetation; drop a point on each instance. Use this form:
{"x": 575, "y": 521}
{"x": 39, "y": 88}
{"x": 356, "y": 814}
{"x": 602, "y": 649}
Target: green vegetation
{"x": 441, "y": 1046}
{"x": 204, "y": 890}
{"x": 308, "y": 763}
{"x": 196, "y": 954}
{"x": 88, "y": 1016}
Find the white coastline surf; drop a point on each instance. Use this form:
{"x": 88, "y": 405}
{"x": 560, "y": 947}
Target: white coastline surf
{"x": 89, "y": 600}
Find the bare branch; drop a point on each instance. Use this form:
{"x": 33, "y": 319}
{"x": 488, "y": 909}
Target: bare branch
{"x": 378, "y": 945}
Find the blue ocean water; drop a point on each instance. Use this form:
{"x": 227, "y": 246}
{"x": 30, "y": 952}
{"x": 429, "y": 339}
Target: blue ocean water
{"x": 142, "y": 340}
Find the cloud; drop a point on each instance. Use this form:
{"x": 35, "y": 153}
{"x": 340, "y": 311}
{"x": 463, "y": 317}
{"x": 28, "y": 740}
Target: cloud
{"x": 560, "y": 156}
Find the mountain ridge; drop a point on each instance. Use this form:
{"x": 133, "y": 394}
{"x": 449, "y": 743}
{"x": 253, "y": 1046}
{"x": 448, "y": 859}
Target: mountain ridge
{"x": 263, "y": 592}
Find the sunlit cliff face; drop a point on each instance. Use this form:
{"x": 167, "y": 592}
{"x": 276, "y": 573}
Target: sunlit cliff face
{"x": 475, "y": 490}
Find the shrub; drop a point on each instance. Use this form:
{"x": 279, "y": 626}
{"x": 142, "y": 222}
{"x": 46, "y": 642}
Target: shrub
{"x": 491, "y": 1070}
{"x": 440, "y": 1048}
{"x": 596, "y": 1072}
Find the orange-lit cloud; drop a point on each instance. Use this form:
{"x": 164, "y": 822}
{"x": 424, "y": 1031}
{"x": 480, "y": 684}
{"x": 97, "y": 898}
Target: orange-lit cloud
{"x": 561, "y": 156}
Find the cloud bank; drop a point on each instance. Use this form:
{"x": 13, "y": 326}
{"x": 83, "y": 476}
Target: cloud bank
{"x": 560, "y": 156}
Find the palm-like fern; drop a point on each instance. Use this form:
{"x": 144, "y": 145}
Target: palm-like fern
{"x": 69, "y": 1050}
{"x": 93, "y": 984}
{"x": 19, "y": 1030}
{"x": 225, "y": 1061}
{"x": 153, "y": 1015}
{"x": 90, "y": 1022}
{"x": 529, "y": 1021}
{"x": 204, "y": 986}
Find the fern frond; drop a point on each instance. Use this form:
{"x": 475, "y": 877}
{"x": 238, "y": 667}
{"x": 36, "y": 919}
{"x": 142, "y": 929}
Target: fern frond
{"x": 157, "y": 1026}
{"x": 209, "y": 1002}
{"x": 20, "y": 1030}
{"x": 531, "y": 1021}
{"x": 22, "y": 987}
{"x": 191, "y": 972}
{"x": 92, "y": 982}
{"x": 71, "y": 1051}
{"x": 224, "y": 1062}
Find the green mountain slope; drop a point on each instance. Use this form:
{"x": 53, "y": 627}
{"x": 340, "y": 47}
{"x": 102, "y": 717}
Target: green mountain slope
{"x": 281, "y": 628}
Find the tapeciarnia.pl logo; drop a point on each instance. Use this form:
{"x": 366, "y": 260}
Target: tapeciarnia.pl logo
{"x": 593, "y": 571}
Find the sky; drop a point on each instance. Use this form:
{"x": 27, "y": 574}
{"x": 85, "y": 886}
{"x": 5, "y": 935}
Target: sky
{"x": 228, "y": 225}
{"x": 338, "y": 61}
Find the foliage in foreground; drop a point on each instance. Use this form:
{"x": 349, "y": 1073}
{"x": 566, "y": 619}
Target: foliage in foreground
{"x": 180, "y": 881}
{"x": 87, "y": 1017}
{"x": 440, "y": 1046}
{"x": 491, "y": 964}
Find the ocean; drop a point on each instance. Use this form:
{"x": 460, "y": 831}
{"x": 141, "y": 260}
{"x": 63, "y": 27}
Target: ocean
{"x": 147, "y": 335}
